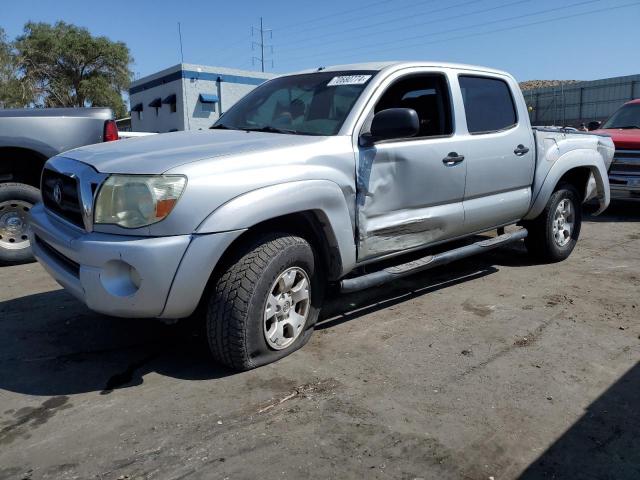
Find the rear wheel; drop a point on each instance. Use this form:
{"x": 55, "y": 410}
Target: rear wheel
{"x": 16, "y": 200}
{"x": 265, "y": 303}
{"x": 554, "y": 234}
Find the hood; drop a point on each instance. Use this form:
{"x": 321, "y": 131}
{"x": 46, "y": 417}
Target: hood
{"x": 156, "y": 154}
{"x": 628, "y": 139}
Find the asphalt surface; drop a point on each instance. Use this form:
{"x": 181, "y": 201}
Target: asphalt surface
{"x": 494, "y": 367}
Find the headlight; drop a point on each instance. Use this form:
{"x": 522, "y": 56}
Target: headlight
{"x": 133, "y": 201}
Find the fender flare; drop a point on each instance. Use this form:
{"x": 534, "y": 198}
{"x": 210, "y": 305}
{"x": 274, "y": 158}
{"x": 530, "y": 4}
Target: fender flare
{"x": 322, "y": 197}
{"x": 573, "y": 159}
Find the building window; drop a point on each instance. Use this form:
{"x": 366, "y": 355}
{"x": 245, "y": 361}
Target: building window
{"x": 138, "y": 108}
{"x": 171, "y": 101}
{"x": 156, "y": 103}
{"x": 208, "y": 102}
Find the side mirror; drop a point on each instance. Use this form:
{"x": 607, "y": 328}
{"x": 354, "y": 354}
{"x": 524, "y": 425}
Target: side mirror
{"x": 392, "y": 123}
{"x": 593, "y": 126}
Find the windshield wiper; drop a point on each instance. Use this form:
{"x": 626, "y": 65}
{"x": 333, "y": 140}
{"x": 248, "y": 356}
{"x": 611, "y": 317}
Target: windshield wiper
{"x": 270, "y": 129}
{"x": 220, "y": 126}
{"x": 626, "y": 127}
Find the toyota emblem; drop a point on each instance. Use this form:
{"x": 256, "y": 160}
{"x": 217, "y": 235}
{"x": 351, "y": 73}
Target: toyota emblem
{"x": 57, "y": 193}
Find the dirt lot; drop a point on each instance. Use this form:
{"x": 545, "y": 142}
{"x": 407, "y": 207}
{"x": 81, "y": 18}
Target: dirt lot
{"x": 490, "y": 368}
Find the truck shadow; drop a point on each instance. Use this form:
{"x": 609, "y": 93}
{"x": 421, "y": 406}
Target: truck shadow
{"x": 52, "y": 345}
{"x": 603, "y": 443}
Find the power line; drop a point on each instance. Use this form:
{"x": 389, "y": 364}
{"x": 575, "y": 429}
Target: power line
{"x": 449, "y": 30}
{"x": 331, "y": 15}
{"x": 421, "y": 24}
{"x": 361, "y": 17}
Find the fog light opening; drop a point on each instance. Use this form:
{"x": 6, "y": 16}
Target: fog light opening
{"x": 120, "y": 279}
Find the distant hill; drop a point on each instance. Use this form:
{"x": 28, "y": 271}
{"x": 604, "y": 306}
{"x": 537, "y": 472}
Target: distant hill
{"x": 533, "y": 84}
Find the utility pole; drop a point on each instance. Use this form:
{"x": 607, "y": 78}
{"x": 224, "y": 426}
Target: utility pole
{"x": 261, "y": 44}
{"x": 180, "y": 37}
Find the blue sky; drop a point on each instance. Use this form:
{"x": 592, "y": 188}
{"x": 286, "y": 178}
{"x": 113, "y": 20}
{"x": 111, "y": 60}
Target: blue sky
{"x": 533, "y": 39}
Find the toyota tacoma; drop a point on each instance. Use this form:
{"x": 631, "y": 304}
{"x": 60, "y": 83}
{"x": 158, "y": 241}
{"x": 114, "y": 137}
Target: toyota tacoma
{"x": 335, "y": 176}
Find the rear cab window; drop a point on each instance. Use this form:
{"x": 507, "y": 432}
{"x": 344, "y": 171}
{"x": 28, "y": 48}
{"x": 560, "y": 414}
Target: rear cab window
{"x": 488, "y": 104}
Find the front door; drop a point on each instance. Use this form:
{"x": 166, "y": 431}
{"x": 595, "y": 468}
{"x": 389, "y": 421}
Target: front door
{"x": 410, "y": 190}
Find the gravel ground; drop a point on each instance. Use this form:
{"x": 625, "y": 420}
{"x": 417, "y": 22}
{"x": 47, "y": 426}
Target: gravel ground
{"x": 490, "y": 368}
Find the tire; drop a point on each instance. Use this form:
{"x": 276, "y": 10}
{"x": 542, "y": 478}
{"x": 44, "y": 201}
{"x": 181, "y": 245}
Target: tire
{"x": 550, "y": 238}
{"x": 239, "y": 319}
{"x": 16, "y": 200}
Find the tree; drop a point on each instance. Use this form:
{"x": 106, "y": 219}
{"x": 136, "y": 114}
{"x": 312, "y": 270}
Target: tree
{"x": 14, "y": 90}
{"x": 68, "y": 67}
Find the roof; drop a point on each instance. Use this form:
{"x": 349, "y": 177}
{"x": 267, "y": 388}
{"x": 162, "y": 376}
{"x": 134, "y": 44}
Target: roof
{"x": 395, "y": 65}
{"x": 206, "y": 69}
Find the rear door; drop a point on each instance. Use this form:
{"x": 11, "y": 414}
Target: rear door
{"x": 499, "y": 151}
{"x": 408, "y": 194}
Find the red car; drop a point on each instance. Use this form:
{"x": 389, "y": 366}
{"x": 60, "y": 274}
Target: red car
{"x": 624, "y": 128}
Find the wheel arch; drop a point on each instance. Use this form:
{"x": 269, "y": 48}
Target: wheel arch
{"x": 21, "y": 165}
{"x": 315, "y": 208}
{"x": 585, "y": 170}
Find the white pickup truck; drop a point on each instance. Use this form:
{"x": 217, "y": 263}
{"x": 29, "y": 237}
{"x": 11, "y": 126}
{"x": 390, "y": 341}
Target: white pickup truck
{"x": 312, "y": 178}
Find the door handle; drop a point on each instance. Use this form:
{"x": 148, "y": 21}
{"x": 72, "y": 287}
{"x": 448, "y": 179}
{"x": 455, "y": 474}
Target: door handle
{"x": 521, "y": 150}
{"x": 452, "y": 159}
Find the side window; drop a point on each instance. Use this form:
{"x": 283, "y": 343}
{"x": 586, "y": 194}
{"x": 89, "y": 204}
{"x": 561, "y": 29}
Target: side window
{"x": 428, "y": 95}
{"x": 488, "y": 104}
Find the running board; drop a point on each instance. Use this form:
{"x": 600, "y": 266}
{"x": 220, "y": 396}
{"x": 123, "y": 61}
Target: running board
{"x": 430, "y": 261}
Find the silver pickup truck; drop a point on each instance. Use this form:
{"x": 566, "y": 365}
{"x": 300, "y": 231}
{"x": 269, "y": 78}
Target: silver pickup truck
{"x": 28, "y": 137}
{"x": 334, "y": 176}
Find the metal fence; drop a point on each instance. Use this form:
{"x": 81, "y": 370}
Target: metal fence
{"x": 583, "y": 102}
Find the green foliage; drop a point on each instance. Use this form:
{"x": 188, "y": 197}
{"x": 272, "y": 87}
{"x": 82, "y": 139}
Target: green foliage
{"x": 14, "y": 90}
{"x": 68, "y": 67}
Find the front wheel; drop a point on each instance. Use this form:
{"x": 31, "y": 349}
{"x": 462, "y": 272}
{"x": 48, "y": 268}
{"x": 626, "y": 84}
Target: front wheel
{"x": 554, "y": 234}
{"x": 16, "y": 200}
{"x": 264, "y": 304}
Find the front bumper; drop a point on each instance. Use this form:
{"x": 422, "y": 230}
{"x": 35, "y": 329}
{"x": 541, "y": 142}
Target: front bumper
{"x": 625, "y": 187}
{"x": 624, "y": 175}
{"x": 127, "y": 276}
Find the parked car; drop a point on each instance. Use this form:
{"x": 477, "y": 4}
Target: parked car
{"x": 310, "y": 179}
{"x": 28, "y": 137}
{"x": 624, "y": 128}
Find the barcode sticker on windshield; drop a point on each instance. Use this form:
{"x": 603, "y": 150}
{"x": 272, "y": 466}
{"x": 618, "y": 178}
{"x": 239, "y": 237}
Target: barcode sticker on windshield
{"x": 348, "y": 80}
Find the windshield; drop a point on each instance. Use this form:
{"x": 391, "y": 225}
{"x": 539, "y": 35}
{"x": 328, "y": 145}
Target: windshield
{"x": 627, "y": 116}
{"x": 309, "y": 104}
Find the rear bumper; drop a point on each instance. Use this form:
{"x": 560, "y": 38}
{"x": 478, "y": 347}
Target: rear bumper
{"x": 127, "y": 276}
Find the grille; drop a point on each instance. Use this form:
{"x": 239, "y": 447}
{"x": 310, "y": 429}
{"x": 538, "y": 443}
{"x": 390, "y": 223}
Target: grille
{"x": 626, "y": 162}
{"x": 69, "y": 205}
{"x": 65, "y": 261}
